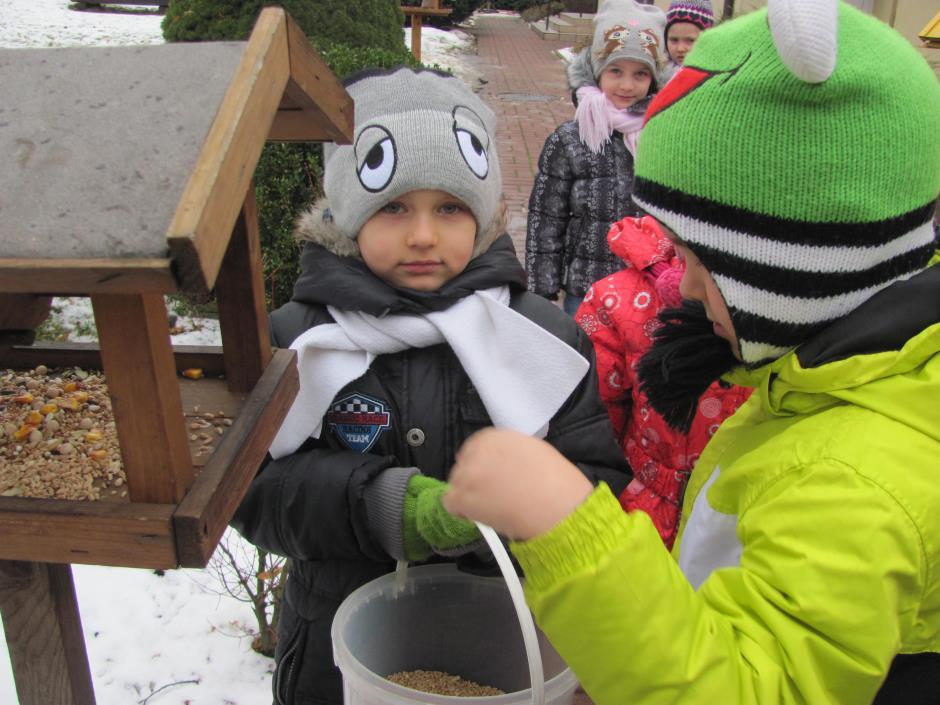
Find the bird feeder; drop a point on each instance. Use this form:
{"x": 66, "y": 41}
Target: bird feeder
{"x": 428, "y": 8}
{"x": 127, "y": 176}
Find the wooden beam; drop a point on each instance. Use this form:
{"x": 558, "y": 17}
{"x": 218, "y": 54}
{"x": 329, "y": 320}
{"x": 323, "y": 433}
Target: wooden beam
{"x": 138, "y": 362}
{"x": 23, "y": 311}
{"x": 20, "y": 315}
{"x": 114, "y": 533}
{"x": 44, "y": 634}
{"x": 87, "y": 276}
{"x": 88, "y": 356}
{"x": 314, "y": 88}
{"x": 243, "y": 317}
{"x": 202, "y": 517}
{"x": 202, "y": 224}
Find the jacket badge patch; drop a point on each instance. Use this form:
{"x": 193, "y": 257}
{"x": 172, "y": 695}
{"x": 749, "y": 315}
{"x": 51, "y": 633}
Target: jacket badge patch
{"x": 358, "y": 421}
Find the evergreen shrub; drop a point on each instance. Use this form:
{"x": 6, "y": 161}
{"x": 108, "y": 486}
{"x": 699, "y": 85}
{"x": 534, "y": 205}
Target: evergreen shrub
{"x": 364, "y": 23}
{"x": 534, "y": 13}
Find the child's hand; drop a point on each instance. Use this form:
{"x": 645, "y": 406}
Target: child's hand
{"x": 518, "y": 485}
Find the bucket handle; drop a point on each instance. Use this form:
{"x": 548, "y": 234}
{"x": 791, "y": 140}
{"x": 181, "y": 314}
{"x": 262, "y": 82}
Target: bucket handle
{"x": 529, "y": 637}
{"x": 526, "y": 624}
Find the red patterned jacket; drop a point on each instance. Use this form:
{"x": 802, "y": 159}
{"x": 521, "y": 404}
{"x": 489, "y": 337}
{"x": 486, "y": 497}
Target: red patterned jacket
{"x": 619, "y": 315}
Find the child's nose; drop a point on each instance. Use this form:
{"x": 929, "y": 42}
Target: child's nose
{"x": 424, "y": 233}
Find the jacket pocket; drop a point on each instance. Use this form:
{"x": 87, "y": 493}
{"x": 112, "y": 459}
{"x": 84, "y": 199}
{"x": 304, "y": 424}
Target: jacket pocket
{"x": 287, "y": 668}
{"x": 473, "y": 413}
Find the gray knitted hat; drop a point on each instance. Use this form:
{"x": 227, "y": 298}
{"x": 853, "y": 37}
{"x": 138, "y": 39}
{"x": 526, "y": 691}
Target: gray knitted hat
{"x": 624, "y": 29}
{"x": 414, "y": 129}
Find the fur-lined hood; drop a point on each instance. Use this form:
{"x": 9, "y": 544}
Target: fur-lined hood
{"x": 579, "y": 70}
{"x": 312, "y": 226}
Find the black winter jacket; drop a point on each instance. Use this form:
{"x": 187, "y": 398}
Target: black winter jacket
{"x": 577, "y": 195}
{"x": 313, "y": 505}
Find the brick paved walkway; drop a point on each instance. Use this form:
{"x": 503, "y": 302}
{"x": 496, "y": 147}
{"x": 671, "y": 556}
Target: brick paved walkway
{"x": 527, "y": 90}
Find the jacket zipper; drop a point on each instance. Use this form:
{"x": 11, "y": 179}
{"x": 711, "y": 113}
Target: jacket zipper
{"x": 283, "y": 678}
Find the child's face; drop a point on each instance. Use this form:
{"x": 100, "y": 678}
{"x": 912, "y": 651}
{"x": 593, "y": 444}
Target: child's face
{"x": 421, "y": 240}
{"x": 698, "y": 285}
{"x": 625, "y": 82}
{"x": 679, "y": 40}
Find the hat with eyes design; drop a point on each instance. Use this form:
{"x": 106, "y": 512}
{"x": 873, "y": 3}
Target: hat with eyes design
{"x": 414, "y": 130}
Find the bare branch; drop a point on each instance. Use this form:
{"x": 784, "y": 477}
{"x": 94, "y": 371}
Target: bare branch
{"x": 164, "y": 687}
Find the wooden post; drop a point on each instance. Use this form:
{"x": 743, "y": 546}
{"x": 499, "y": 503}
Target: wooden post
{"x": 138, "y": 362}
{"x": 242, "y": 312}
{"x": 416, "y": 22}
{"x": 19, "y": 315}
{"x": 44, "y": 634}
{"x": 728, "y": 11}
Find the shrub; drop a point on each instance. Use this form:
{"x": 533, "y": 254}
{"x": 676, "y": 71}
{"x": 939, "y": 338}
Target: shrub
{"x": 515, "y": 5}
{"x": 539, "y": 12}
{"x": 365, "y": 23}
{"x": 287, "y": 178}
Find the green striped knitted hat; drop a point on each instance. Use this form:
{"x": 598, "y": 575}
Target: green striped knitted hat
{"x": 797, "y": 153}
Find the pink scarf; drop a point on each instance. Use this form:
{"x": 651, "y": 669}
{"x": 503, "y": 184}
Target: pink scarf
{"x": 598, "y": 118}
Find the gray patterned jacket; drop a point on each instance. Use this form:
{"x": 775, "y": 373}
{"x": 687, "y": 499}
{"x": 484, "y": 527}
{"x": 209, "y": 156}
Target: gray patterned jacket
{"x": 576, "y": 197}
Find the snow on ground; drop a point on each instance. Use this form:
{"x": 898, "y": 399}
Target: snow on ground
{"x": 176, "y": 638}
{"x": 50, "y": 23}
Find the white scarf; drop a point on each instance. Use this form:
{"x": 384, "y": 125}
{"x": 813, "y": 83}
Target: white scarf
{"x": 522, "y": 372}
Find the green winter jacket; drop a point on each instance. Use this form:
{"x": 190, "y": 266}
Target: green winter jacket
{"x": 809, "y": 553}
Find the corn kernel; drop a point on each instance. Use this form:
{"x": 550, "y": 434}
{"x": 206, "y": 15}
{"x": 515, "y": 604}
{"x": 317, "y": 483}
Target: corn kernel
{"x": 192, "y": 373}
{"x": 22, "y": 433}
{"x": 70, "y": 386}
{"x": 34, "y": 418}
{"x": 94, "y": 435}
{"x": 47, "y": 409}
{"x": 26, "y": 398}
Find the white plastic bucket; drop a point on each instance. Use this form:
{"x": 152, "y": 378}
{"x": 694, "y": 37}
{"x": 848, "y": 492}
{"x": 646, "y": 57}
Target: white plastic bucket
{"x": 440, "y": 619}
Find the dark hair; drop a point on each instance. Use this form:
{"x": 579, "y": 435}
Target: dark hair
{"x": 685, "y": 358}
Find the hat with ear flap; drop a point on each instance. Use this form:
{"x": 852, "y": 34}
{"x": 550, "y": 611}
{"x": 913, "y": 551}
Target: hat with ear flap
{"x": 414, "y": 130}
{"x": 815, "y": 187}
{"x": 625, "y": 29}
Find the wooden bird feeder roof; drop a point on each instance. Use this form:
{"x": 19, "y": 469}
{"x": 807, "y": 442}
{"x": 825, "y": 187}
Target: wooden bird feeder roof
{"x": 125, "y": 175}
{"x": 125, "y": 168}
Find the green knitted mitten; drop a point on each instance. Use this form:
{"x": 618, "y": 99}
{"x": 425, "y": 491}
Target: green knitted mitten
{"x": 428, "y": 527}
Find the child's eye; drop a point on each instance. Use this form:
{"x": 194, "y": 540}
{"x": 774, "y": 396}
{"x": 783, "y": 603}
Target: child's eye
{"x": 393, "y": 208}
{"x": 452, "y": 208}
